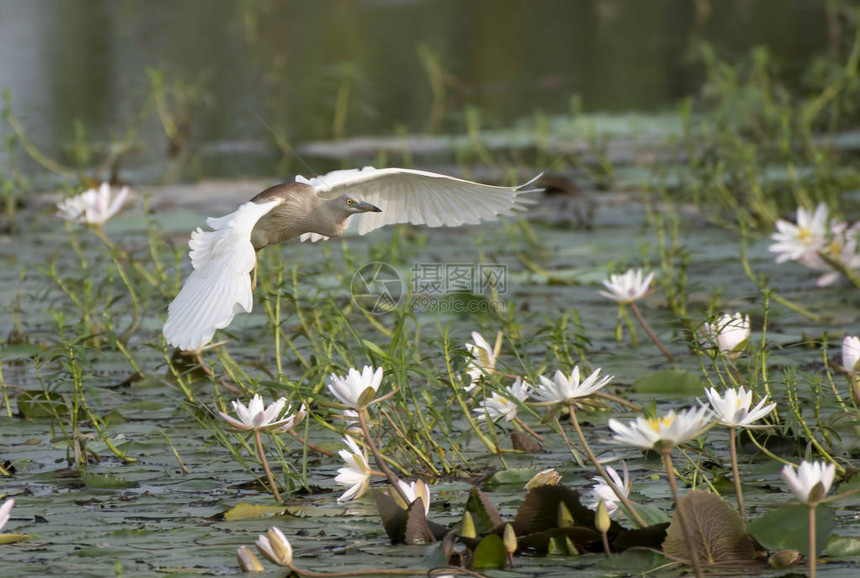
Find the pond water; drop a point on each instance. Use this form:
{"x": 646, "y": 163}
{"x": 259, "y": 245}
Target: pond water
{"x": 342, "y": 81}
{"x": 77, "y": 70}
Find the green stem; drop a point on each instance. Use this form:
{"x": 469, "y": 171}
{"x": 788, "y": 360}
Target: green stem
{"x": 650, "y": 332}
{"x": 813, "y": 560}
{"x": 593, "y": 459}
{"x": 265, "y": 462}
{"x": 736, "y": 477}
{"x": 682, "y": 514}
{"x": 392, "y": 479}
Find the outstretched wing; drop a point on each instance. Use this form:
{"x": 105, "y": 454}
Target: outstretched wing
{"x": 420, "y": 197}
{"x": 219, "y": 287}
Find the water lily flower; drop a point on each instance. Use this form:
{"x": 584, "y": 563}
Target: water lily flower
{"x": 562, "y": 389}
{"x": 92, "y": 207}
{"x": 811, "y": 481}
{"x": 628, "y": 287}
{"x": 730, "y": 332}
{"x": 350, "y": 389}
{"x": 412, "y": 491}
{"x": 499, "y": 406}
{"x": 275, "y": 546}
{"x": 660, "y": 433}
{"x": 549, "y": 477}
{"x": 851, "y": 354}
{"x": 602, "y": 490}
{"x": 259, "y": 417}
{"x": 6, "y": 511}
{"x": 356, "y": 474}
{"x": 733, "y": 408}
{"x": 803, "y": 240}
{"x": 482, "y": 357}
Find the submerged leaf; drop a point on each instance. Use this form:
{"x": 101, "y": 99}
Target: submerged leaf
{"x": 717, "y": 531}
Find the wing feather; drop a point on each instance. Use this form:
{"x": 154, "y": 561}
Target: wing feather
{"x": 219, "y": 287}
{"x": 420, "y": 197}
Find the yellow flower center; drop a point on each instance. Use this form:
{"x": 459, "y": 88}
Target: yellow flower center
{"x": 804, "y": 234}
{"x": 655, "y": 423}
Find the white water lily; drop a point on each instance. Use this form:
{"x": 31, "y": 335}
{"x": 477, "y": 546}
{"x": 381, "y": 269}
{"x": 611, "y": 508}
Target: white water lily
{"x": 275, "y": 546}
{"x": 349, "y": 389}
{"x": 729, "y": 332}
{"x": 549, "y": 477}
{"x": 356, "y": 474}
{"x": 413, "y": 491}
{"x": 482, "y": 358}
{"x": 6, "y": 511}
{"x": 602, "y": 490}
{"x": 92, "y": 207}
{"x": 499, "y": 406}
{"x": 562, "y": 389}
{"x": 733, "y": 407}
{"x": 811, "y": 481}
{"x": 628, "y": 287}
{"x": 803, "y": 240}
{"x": 257, "y": 416}
{"x": 661, "y": 433}
{"x": 851, "y": 354}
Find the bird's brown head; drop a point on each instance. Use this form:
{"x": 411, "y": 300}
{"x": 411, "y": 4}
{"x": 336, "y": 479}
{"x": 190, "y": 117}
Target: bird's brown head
{"x": 351, "y": 205}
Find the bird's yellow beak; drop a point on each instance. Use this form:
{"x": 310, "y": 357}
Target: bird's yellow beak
{"x": 368, "y": 208}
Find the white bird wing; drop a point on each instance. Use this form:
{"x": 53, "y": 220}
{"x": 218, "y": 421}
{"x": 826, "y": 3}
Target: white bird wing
{"x": 219, "y": 287}
{"x": 420, "y": 197}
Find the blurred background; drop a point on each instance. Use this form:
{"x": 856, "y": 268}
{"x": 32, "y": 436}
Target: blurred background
{"x": 162, "y": 90}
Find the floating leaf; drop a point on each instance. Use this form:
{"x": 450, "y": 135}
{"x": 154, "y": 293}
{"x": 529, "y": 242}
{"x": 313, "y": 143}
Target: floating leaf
{"x": 717, "y": 531}
{"x": 787, "y": 528}
{"x": 842, "y": 546}
{"x": 490, "y": 553}
{"x": 672, "y": 382}
{"x": 633, "y": 562}
{"x": 511, "y": 477}
{"x": 245, "y": 511}
{"x": 106, "y": 481}
{"x": 11, "y": 538}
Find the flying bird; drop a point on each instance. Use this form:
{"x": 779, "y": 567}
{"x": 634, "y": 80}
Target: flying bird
{"x": 224, "y": 260}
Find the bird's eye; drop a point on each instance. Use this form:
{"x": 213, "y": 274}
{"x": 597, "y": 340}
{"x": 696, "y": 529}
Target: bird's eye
{"x": 349, "y": 201}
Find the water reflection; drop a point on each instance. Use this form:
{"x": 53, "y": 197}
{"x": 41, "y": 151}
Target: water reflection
{"x": 314, "y": 70}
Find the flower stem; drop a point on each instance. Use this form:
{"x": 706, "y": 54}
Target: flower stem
{"x": 265, "y": 463}
{"x": 392, "y": 479}
{"x": 650, "y": 332}
{"x": 736, "y": 478}
{"x": 682, "y": 514}
{"x": 813, "y": 560}
{"x": 593, "y": 459}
